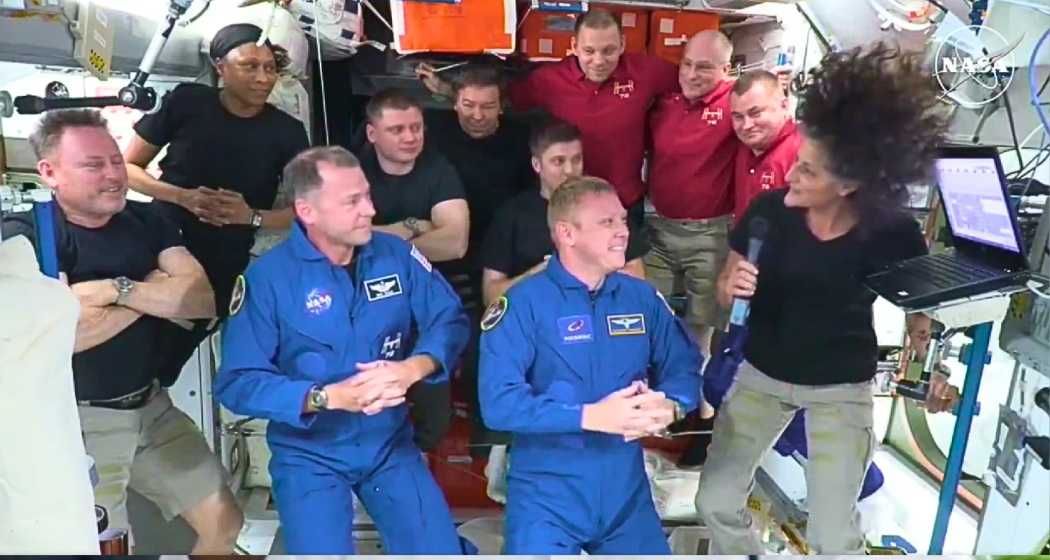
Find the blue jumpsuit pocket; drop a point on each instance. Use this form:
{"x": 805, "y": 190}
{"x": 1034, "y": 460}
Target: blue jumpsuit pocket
{"x": 312, "y": 365}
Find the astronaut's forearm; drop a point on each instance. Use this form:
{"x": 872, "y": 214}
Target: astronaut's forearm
{"x": 99, "y": 324}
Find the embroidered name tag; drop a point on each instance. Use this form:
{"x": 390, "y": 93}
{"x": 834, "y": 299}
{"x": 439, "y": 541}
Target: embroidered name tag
{"x": 621, "y": 325}
{"x": 384, "y": 287}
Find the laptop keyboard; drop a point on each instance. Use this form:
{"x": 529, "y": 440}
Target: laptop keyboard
{"x": 946, "y": 271}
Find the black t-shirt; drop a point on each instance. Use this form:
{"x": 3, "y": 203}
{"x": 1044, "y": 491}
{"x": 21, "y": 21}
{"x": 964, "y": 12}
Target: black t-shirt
{"x": 811, "y": 316}
{"x": 210, "y": 147}
{"x": 520, "y": 238}
{"x": 492, "y": 169}
{"x": 128, "y": 245}
{"x": 397, "y": 197}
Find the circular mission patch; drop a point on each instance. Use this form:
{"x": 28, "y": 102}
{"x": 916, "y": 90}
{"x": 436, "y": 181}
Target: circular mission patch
{"x": 494, "y": 313}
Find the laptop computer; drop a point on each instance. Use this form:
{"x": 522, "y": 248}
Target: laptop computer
{"x": 988, "y": 253}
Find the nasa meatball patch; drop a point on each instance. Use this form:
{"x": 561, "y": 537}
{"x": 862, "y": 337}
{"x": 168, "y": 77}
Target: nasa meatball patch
{"x": 240, "y": 290}
{"x": 494, "y": 313}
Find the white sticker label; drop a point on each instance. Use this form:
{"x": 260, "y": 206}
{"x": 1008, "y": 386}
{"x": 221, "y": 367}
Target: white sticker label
{"x": 666, "y": 25}
{"x": 546, "y": 46}
{"x": 629, "y": 19}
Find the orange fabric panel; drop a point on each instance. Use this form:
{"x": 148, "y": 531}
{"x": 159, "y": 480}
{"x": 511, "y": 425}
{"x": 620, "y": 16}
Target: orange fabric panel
{"x": 546, "y": 35}
{"x": 471, "y": 26}
{"x": 635, "y": 24}
{"x": 670, "y": 29}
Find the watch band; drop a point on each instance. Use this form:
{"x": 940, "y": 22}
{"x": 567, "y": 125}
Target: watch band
{"x": 256, "y": 219}
{"x": 412, "y": 225}
{"x": 124, "y": 286}
{"x": 318, "y": 398}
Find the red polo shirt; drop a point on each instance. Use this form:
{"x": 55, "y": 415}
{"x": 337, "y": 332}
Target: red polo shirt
{"x": 611, "y": 116}
{"x": 691, "y": 170}
{"x": 755, "y": 174}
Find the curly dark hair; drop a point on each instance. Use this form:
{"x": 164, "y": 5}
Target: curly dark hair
{"x": 877, "y": 114}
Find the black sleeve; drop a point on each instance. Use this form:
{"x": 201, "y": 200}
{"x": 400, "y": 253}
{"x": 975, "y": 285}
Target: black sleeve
{"x": 497, "y": 249}
{"x": 297, "y": 142}
{"x": 165, "y": 233}
{"x": 764, "y": 205}
{"x": 637, "y": 244}
{"x": 159, "y": 128}
{"x": 447, "y": 185}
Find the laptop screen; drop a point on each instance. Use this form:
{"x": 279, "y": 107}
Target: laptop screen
{"x": 975, "y": 203}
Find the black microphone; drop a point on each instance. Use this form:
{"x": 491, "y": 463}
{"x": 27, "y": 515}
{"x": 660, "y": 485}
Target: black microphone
{"x": 31, "y": 104}
{"x": 757, "y": 229}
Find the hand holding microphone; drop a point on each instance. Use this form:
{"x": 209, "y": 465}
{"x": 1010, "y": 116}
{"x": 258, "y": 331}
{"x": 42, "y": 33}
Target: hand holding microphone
{"x": 743, "y": 278}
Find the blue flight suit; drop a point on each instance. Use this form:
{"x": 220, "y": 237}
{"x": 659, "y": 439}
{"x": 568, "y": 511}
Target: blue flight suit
{"x": 307, "y": 322}
{"x": 549, "y": 347}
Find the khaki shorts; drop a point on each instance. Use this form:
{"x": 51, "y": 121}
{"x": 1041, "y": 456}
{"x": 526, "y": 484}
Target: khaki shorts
{"x": 687, "y": 256}
{"x": 157, "y": 451}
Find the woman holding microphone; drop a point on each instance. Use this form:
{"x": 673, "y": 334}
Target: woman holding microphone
{"x": 871, "y": 127}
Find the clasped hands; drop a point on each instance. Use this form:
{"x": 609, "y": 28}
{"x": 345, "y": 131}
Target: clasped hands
{"x": 217, "y": 207}
{"x": 377, "y": 386}
{"x": 634, "y": 412}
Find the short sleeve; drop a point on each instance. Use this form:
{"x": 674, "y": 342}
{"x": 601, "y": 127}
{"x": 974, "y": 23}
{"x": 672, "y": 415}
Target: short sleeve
{"x": 159, "y": 128}
{"x": 498, "y": 247}
{"x": 165, "y": 233}
{"x": 297, "y": 142}
{"x": 664, "y": 76}
{"x": 523, "y": 90}
{"x": 765, "y": 206}
{"x": 447, "y": 185}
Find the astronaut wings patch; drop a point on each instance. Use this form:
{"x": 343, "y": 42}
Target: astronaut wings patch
{"x": 422, "y": 259}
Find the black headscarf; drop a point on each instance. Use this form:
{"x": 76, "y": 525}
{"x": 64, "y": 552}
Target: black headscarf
{"x": 233, "y": 36}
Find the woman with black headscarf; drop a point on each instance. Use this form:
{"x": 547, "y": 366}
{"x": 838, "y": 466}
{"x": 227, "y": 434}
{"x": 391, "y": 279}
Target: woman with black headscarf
{"x": 226, "y": 148}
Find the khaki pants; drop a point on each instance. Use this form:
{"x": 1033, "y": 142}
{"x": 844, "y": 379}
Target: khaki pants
{"x": 157, "y": 451}
{"x": 841, "y": 444}
{"x": 688, "y": 255}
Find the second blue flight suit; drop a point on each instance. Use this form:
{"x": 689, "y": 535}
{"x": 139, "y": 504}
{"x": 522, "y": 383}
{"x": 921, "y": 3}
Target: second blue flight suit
{"x": 306, "y": 322}
{"x": 549, "y": 347}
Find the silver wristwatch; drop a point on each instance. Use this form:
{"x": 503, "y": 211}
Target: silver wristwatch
{"x": 412, "y": 224}
{"x": 256, "y": 219}
{"x": 124, "y": 287}
{"x": 318, "y": 398}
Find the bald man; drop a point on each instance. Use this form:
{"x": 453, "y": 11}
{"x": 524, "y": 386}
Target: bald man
{"x": 690, "y": 181}
{"x": 769, "y": 138}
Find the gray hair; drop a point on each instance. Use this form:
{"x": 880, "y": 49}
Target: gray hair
{"x": 301, "y": 175}
{"x": 54, "y": 123}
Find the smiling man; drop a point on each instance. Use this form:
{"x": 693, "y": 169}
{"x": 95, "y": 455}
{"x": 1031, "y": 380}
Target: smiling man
{"x": 331, "y": 329}
{"x": 690, "y": 181}
{"x": 769, "y": 138}
{"x": 605, "y": 92}
{"x": 129, "y": 269}
{"x": 578, "y": 361}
